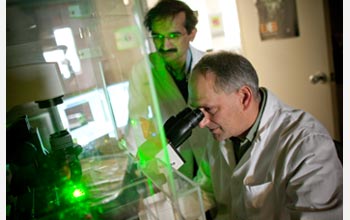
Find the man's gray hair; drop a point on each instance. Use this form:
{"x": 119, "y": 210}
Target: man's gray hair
{"x": 232, "y": 71}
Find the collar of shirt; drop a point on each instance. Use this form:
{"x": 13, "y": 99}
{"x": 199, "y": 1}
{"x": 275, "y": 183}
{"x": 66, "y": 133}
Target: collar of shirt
{"x": 244, "y": 143}
{"x": 252, "y": 132}
{"x": 186, "y": 69}
{"x": 188, "y": 63}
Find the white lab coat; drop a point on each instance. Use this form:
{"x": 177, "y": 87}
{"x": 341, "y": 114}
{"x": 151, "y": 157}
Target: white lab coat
{"x": 170, "y": 102}
{"x": 168, "y": 95}
{"x": 291, "y": 171}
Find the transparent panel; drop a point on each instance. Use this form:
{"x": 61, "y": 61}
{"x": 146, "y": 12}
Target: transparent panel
{"x": 78, "y": 147}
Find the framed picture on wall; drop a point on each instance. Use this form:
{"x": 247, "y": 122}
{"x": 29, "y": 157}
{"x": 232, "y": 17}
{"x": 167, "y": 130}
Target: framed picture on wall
{"x": 277, "y": 19}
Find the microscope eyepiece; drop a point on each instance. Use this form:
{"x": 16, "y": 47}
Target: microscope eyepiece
{"x": 178, "y": 128}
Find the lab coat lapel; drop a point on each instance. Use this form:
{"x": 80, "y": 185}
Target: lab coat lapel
{"x": 226, "y": 149}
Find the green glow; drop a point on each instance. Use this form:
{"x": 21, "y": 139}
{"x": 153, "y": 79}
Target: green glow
{"x": 160, "y": 37}
{"x": 74, "y": 192}
{"x": 159, "y": 124}
{"x": 133, "y": 122}
{"x": 78, "y": 193}
{"x": 150, "y": 186}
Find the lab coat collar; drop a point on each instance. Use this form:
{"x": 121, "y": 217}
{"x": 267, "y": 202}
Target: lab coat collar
{"x": 226, "y": 149}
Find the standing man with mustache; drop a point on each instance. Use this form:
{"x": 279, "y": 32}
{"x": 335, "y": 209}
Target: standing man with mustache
{"x": 172, "y": 26}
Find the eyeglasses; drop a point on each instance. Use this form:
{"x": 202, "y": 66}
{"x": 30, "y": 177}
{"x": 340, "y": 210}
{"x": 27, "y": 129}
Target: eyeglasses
{"x": 171, "y": 36}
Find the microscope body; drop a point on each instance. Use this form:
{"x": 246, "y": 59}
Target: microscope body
{"x": 38, "y": 180}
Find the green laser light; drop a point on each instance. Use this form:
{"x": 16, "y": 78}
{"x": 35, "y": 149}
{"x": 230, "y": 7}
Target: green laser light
{"x": 78, "y": 193}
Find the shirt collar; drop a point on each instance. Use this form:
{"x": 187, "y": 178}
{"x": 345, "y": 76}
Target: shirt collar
{"x": 188, "y": 61}
{"x": 187, "y": 68}
{"x": 252, "y": 132}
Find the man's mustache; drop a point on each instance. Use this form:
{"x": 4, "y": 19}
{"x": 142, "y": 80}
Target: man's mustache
{"x": 172, "y": 50}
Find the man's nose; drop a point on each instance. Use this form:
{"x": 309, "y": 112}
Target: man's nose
{"x": 167, "y": 44}
{"x": 205, "y": 121}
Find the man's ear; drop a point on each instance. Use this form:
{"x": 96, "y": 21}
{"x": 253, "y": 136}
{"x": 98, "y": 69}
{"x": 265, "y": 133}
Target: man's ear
{"x": 246, "y": 96}
{"x": 193, "y": 33}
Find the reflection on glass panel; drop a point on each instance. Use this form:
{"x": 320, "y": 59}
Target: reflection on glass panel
{"x": 73, "y": 149}
{"x": 65, "y": 53}
{"x": 64, "y": 36}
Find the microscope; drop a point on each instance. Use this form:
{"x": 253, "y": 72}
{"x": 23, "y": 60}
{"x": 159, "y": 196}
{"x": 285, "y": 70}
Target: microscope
{"x": 39, "y": 181}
